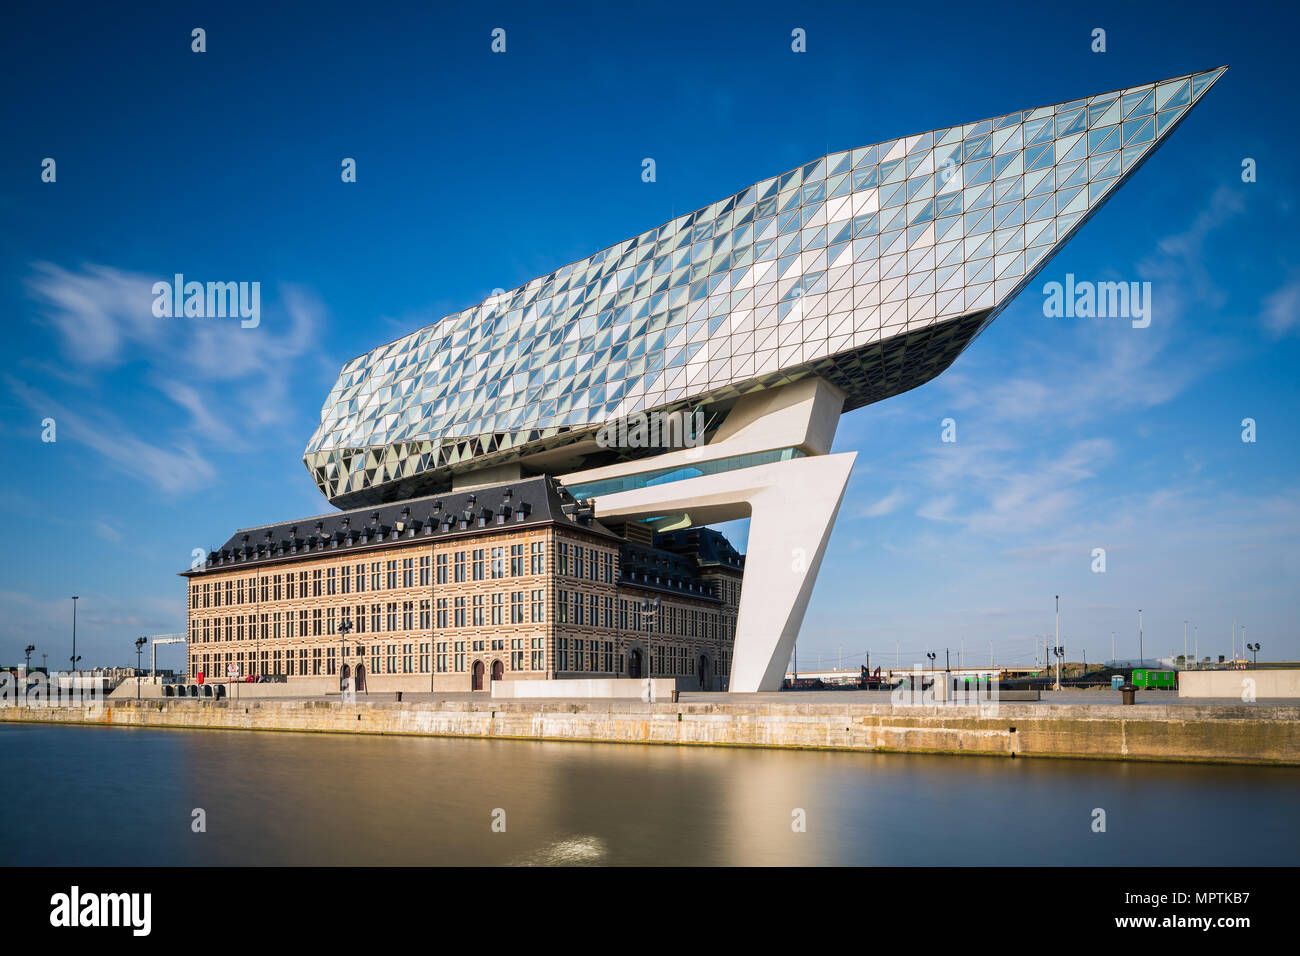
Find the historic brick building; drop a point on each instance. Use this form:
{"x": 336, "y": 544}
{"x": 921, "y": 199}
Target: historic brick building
{"x": 450, "y": 592}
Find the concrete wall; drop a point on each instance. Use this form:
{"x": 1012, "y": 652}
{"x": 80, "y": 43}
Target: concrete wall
{"x": 1268, "y": 684}
{"x": 1222, "y": 733}
{"x": 582, "y": 688}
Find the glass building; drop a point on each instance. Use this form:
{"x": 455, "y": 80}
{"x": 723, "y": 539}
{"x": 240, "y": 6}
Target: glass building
{"x": 871, "y": 268}
{"x": 767, "y": 314}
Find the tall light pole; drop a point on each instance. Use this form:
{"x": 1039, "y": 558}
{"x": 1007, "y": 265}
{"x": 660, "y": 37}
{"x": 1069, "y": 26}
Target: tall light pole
{"x": 139, "y": 647}
{"x": 1184, "y": 643}
{"x": 1113, "y": 661}
{"x": 74, "y": 633}
{"x": 1254, "y": 649}
{"x": 345, "y": 626}
{"x": 1142, "y": 657}
{"x": 1196, "y": 643}
{"x": 27, "y": 652}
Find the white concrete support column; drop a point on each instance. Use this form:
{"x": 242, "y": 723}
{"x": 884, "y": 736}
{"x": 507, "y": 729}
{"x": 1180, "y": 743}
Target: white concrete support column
{"x": 791, "y": 506}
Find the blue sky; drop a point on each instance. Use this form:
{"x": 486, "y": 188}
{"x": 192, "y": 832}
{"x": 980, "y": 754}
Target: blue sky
{"x": 478, "y": 170}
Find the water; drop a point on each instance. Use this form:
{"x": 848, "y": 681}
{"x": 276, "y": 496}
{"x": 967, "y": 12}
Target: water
{"x": 99, "y": 796}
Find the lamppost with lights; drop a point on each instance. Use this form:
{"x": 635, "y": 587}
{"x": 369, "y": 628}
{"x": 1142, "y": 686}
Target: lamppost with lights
{"x": 1254, "y": 650}
{"x": 1142, "y": 657}
{"x": 140, "y": 642}
{"x": 345, "y": 628}
{"x": 648, "y": 611}
{"x": 74, "y": 658}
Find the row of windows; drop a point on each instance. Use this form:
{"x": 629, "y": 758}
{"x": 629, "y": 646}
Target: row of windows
{"x": 378, "y": 575}
{"x": 478, "y": 564}
{"x": 481, "y": 564}
{"x": 669, "y": 620}
{"x": 384, "y": 659}
{"x": 525, "y": 654}
{"x": 392, "y": 616}
{"x": 478, "y": 610}
{"x": 579, "y": 562}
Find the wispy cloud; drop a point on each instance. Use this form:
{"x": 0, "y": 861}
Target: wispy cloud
{"x": 1281, "y": 313}
{"x": 170, "y": 467}
{"x": 225, "y": 381}
{"x": 883, "y": 506}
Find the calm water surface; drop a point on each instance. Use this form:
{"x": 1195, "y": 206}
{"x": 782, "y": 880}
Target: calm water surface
{"x": 101, "y": 796}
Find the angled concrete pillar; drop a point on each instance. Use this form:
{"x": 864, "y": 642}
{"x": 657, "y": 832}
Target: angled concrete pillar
{"x": 791, "y": 506}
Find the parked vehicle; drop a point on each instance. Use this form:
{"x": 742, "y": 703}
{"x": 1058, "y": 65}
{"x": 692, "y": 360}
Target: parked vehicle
{"x": 1151, "y": 678}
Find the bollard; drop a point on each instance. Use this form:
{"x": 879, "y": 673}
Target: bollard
{"x": 1127, "y": 692}
{"x": 676, "y": 693}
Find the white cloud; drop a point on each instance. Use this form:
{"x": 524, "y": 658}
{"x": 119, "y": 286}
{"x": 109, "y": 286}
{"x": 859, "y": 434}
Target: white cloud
{"x": 1282, "y": 309}
{"x": 224, "y": 381}
{"x": 172, "y": 468}
{"x": 886, "y": 505}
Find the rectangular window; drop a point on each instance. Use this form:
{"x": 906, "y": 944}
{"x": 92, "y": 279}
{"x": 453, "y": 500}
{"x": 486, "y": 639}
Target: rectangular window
{"x": 498, "y": 562}
{"x": 538, "y": 606}
{"x": 537, "y": 558}
{"x": 516, "y": 607}
{"x": 516, "y": 560}
{"x": 442, "y": 569}
{"x": 498, "y": 608}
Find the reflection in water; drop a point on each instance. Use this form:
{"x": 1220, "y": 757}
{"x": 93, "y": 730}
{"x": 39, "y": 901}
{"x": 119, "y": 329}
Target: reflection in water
{"x": 98, "y": 796}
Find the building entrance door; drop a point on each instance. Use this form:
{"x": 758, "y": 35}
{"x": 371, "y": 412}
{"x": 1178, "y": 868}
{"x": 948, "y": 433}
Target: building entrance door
{"x": 477, "y": 679}
{"x": 634, "y": 664}
{"x": 498, "y": 670}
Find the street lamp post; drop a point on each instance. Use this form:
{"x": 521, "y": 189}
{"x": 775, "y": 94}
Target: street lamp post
{"x": 1184, "y": 643}
{"x": 139, "y": 648}
{"x": 931, "y": 656}
{"x": 1141, "y": 653}
{"x": 1254, "y": 650}
{"x": 647, "y": 610}
{"x": 345, "y": 627}
{"x": 27, "y": 652}
{"x": 74, "y": 657}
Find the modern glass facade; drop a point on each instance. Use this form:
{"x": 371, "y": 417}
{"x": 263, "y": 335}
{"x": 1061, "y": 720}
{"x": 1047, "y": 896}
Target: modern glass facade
{"x": 871, "y": 267}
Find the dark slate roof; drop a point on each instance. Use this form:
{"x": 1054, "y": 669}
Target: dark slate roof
{"x": 530, "y": 502}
